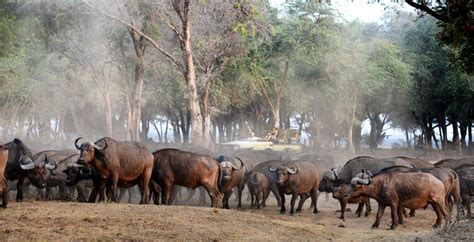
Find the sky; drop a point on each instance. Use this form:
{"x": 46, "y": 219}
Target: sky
{"x": 359, "y": 9}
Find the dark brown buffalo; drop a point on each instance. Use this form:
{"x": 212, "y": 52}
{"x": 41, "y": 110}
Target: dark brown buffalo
{"x": 454, "y": 163}
{"x": 466, "y": 176}
{"x": 3, "y": 181}
{"x": 20, "y": 166}
{"x": 297, "y": 178}
{"x": 343, "y": 195}
{"x": 125, "y": 163}
{"x": 257, "y": 184}
{"x": 417, "y": 163}
{"x": 449, "y": 178}
{"x": 402, "y": 189}
{"x": 187, "y": 169}
{"x": 232, "y": 177}
{"x": 272, "y": 184}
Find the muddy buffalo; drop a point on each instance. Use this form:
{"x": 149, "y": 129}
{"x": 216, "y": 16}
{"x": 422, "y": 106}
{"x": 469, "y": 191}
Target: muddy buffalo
{"x": 402, "y": 189}
{"x": 187, "y": 169}
{"x": 343, "y": 195}
{"x": 297, "y": 178}
{"x": 466, "y": 176}
{"x": 125, "y": 163}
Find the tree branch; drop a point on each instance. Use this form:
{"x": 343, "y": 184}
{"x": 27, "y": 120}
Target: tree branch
{"x": 427, "y": 10}
{"x": 151, "y": 40}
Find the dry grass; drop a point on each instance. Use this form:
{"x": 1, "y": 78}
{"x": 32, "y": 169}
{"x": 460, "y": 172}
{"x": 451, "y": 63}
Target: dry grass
{"x": 72, "y": 221}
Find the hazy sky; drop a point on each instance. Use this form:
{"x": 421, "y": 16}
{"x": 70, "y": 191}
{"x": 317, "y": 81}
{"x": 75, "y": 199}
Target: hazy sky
{"x": 359, "y": 9}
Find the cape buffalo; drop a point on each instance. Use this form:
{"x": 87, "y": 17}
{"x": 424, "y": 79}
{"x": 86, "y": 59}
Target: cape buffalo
{"x": 272, "y": 184}
{"x": 466, "y": 176}
{"x": 232, "y": 176}
{"x": 125, "y": 163}
{"x": 454, "y": 163}
{"x": 338, "y": 176}
{"x": 257, "y": 184}
{"x": 297, "y": 178}
{"x": 187, "y": 169}
{"x": 3, "y": 182}
{"x": 401, "y": 189}
{"x": 20, "y": 165}
{"x": 343, "y": 195}
{"x": 449, "y": 178}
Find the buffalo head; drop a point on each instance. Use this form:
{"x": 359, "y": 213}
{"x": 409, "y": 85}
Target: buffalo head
{"x": 283, "y": 173}
{"x": 228, "y": 168}
{"x": 363, "y": 178}
{"x": 74, "y": 173}
{"x": 36, "y": 170}
{"x": 329, "y": 180}
{"x": 88, "y": 151}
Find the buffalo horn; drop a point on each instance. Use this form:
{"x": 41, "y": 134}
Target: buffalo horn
{"x": 28, "y": 166}
{"x": 241, "y": 164}
{"x": 334, "y": 173}
{"x": 357, "y": 180}
{"x": 272, "y": 169}
{"x": 75, "y": 143}
{"x": 100, "y": 148}
{"x": 292, "y": 170}
{"x": 49, "y": 166}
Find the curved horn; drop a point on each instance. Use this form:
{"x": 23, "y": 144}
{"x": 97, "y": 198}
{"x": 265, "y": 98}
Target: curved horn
{"x": 293, "y": 170}
{"x": 334, "y": 172}
{"x": 28, "y": 166}
{"x": 241, "y": 164}
{"x": 49, "y": 166}
{"x": 271, "y": 169}
{"x": 75, "y": 143}
{"x": 99, "y": 148}
{"x": 357, "y": 180}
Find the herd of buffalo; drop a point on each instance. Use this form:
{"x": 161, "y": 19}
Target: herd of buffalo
{"x": 103, "y": 168}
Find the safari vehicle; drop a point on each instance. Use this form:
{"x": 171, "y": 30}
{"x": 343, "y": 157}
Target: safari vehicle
{"x": 288, "y": 140}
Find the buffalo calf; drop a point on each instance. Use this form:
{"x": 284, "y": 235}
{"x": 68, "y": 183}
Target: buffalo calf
{"x": 343, "y": 195}
{"x": 257, "y": 184}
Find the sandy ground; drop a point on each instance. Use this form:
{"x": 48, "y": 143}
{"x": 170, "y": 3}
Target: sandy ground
{"x": 33, "y": 220}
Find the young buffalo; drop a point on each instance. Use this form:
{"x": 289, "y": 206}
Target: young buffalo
{"x": 343, "y": 194}
{"x": 257, "y": 184}
{"x": 400, "y": 189}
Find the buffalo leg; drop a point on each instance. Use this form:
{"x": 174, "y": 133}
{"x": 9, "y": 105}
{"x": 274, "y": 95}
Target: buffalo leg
{"x": 257, "y": 199}
{"x": 368, "y": 208}
{"x": 5, "y": 194}
{"x": 282, "y": 198}
{"x": 438, "y": 215}
{"x": 400, "y": 214}
{"x": 394, "y": 212}
{"x": 19, "y": 189}
{"x": 303, "y": 198}
{"x": 360, "y": 207}
{"x": 145, "y": 199}
{"x": 264, "y": 198}
{"x": 240, "y": 189}
{"x": 314, "y": 200}
{"x": 380, "y": 212}
{"x": 292, "y": 203}
{"x": 277, "y": 195}
{"x": 166, "y": 193}
{"x": 225, "y": 200}
{"x": 412, "y": 212}
{"x": 343, "y": 208}
{"x": 252, "y": 200}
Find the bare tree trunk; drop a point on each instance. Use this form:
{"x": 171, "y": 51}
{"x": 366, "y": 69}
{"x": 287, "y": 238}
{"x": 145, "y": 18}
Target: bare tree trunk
{"x": 351, "y": 119}
{"x": 108, "y": 114}
{"x": 456, "y": 141}
{"x": 407, "y": 139}
{"x": 136, "y": 105}
{"x": 206, "y": 139}
{"x": 444, "y": 131}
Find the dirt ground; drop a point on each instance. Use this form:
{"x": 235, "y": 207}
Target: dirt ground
{"x": 33, "y": 220}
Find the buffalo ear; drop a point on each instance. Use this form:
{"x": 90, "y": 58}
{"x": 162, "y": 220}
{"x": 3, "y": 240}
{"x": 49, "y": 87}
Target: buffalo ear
{"x": 370, "y": 174}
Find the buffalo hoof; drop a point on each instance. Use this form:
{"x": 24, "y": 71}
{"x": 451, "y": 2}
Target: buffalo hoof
{"x": 282, "y": 211}
{"x": 394, "y": 226}
{"x": 435, "y": 226}
{"x": 375, "y": 225}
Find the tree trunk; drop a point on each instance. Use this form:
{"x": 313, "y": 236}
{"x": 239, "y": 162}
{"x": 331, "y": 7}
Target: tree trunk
{"x": 108, "y": 114}
{"x": 456, "y": 141}
{"x": 373, "y": 131}
{"x": 136, "y": 105}
{"x": 444, "y": 131}
{"x": 206, "y": 139}
{"x": 190, "y": 76}
{"x": 351, "y": 119}
{"x": 407, "y": 139}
